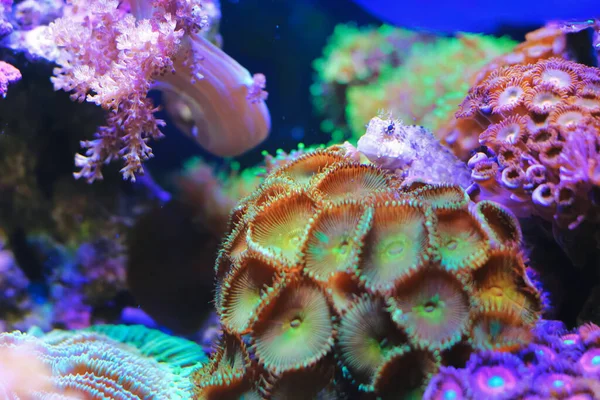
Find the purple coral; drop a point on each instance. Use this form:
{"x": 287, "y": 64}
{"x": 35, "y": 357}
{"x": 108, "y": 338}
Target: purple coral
{"x": 8, "y": 74}
{"x": 495, "y": 375}
{"x": 589, "y": 363}
{"x": 557, "y": 364}
{"x": 449, "y": 383}
{"x": 111, "y": 57}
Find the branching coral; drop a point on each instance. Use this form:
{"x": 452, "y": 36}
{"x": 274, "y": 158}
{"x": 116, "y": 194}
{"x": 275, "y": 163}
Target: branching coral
{"x": 113, "y": 58}
{"x": 331, "y": 258}
{"x": 555, "y": 365}
{"x": 103, "y": 362}
{"x": 540, "y": 125}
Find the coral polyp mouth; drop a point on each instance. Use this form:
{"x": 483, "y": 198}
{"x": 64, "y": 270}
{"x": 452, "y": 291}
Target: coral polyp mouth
{"x": 395, "y": 246}
{"x": 293, "y": 329}
{"x": 366, "y": 336}
{"x": 434, "y": 309}
{"x": 280, "y": 229}
{"x": 347, "y": 181}
{"x": 463, "y": 242}
{"x": 244, "y": 290}
{"x": 308, "y": 166}
{"x": 495, "y": 376}
{"x": 335, "y": 238}
{"x": 498, "y": 287}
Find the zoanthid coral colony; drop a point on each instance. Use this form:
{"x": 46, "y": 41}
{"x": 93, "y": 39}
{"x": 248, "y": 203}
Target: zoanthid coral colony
{"x": 336, "y": 278}
{"x": 541, "y": 124}
{"x": 557, "y": 364}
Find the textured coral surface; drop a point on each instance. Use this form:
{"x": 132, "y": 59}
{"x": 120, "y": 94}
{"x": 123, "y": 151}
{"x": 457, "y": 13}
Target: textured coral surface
{"x": 429, "y": 85}
{"x": 355, "y": 57}
{"x": 555, "y": 40}
{"x": 334, "y": 279}
{"x": 107, "y": 361}
{"x": 541, "y": 123}
{"x": 557, "y": 364}
{"x": 418, "y": 76}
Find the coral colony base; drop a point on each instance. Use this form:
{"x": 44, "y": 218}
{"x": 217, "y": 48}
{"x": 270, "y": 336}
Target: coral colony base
{"x": 399, "y": 264}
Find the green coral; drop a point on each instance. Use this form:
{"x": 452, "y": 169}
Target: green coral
{"x": 420, "y": 78}
{"x": 172, "y": 350}
{"x": 427, "y": 89}
{"x": 356, "y": 56}
{"x": 108, "y": 361}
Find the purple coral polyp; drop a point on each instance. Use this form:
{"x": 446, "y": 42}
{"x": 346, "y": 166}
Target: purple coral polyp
{"x": 495, "y": 375}
{"x": 553, "y": 383}
{"x": 536, "y": 354}
{"x": 448, "y": 384}
{"x": 546, "y": 368}
{"x": 589, "y": 363}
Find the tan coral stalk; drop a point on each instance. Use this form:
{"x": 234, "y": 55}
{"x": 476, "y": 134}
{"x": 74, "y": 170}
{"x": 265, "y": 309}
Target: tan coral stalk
{"x": 215, "y": 110}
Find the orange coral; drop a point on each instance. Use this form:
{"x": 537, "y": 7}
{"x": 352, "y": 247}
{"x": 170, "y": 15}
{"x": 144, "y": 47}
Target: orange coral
{"x": 331, "y": 266}
{"x": 543, "y": 140}
{"x": 548, "y": 87}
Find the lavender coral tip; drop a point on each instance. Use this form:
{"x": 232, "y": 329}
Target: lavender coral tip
{"x": 8, "y": 74}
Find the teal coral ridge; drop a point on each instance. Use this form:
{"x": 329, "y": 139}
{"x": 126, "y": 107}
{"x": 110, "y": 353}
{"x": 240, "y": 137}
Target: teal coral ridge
{"x": 116, "y": 362}
{"x": 172, "y": 350}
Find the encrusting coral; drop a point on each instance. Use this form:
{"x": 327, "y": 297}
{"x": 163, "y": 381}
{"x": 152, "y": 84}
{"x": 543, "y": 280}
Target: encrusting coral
{"x": 335, "y": 277}
{"x": 557, "y": 364}
{"x": 112, "y": 57}
{"x": 539, "y": 123}
{"x": 567, "y": 41}
{"x": 419, "y": 76}
{"x": 107, "y": 361}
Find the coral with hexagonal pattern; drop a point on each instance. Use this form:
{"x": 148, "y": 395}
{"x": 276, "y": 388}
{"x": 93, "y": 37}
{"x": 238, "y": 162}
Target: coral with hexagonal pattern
{"x": 337, "y": 280}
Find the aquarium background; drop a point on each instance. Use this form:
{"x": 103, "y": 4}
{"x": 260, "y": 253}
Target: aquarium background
{"x": 426, "y": 235}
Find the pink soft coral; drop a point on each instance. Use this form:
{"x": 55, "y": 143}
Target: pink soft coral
{"x": 8, "y": 74}
{"x": 112, "y": 57}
